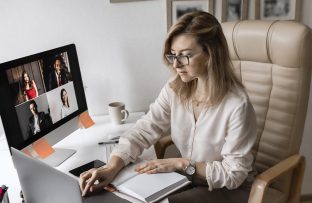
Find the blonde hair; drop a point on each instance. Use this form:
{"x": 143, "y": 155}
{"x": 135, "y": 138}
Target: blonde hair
{"x": 208, "y": 33}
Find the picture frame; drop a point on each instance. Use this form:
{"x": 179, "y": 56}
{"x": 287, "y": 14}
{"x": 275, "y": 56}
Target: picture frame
{"x": 123, "y": 1}
{"x": 233, "y": 10}
{"x": 253, "y": 9}
{"x": 176, "y": 8}
{"x": 279, "y": 9}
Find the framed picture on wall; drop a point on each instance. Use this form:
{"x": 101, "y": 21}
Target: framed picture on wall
{"x": 122, "y": 1}
{"x": 253, "y": 9}
{"x": 176, "y": 8}
{"x": 232, "y": 10}
{"x": 279, "y": 9}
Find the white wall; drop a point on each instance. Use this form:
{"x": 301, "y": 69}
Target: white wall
{"x": 119, "y": 48}
{"x": 119, "y": 45}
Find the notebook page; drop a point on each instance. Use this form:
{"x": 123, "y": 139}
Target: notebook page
{"x": 146, "y": 185}
{"x": 126, "y": 173}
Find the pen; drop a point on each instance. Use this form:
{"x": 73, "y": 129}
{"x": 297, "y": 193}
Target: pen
{"x": 109, "y": 142}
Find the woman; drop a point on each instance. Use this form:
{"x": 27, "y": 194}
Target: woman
{"x": 29, "y": 87}
{"x": 65, "y": 110}
{"x": 211, "y": 118}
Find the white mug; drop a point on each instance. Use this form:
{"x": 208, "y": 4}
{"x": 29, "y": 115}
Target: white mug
{"x": 117, "y": 112}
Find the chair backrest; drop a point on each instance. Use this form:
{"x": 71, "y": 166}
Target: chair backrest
{"x": 273, "y": 60}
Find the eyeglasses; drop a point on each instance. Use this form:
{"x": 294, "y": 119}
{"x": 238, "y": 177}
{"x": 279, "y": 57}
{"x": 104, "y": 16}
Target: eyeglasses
{"x": 182, "y": 59}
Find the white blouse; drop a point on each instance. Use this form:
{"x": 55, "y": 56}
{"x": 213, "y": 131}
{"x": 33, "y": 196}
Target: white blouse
{"x": 65, "y": 111}
{"x": 222, "y": 136}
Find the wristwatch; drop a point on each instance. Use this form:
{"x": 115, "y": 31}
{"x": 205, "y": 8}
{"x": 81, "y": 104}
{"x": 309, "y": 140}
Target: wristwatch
{"x": 190, "y": 169}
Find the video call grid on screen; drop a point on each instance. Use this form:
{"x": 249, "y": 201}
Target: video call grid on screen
{"x": 48, "y": 97}
{"x": 47, "y": 91}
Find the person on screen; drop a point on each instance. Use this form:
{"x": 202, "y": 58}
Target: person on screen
{"x": 38, "y": 121}
{"x": 66, "y": 109}
{"x": 207, "y": 109}
{"x": 58, "y": 76}
{"x": 29, "y": 87}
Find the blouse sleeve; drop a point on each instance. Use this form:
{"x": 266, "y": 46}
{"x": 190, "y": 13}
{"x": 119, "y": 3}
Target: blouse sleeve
{"x": 147, "y": 130}
{"x": 237, "y": 160}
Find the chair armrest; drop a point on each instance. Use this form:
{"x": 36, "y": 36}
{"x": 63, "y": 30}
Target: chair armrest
{"x": 161, "y": 146}
{"x": 295, "y": 162}
{"x": 306, "y": 197}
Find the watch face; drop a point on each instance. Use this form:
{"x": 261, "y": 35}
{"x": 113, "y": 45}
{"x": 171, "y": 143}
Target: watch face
{"x": 190, "y": 170}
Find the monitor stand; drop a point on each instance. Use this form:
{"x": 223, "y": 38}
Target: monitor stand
{"x": 60, "y": 154}
{"x": 58, "y": 157}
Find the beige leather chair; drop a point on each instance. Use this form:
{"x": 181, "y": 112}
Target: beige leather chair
{"x": 273, "y": 59}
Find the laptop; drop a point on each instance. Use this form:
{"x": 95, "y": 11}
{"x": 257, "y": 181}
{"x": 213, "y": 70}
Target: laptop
{"x": 42, "y": 183}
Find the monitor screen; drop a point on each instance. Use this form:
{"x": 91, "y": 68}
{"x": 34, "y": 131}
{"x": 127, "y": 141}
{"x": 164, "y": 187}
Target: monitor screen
{"x": 40, "y": 93}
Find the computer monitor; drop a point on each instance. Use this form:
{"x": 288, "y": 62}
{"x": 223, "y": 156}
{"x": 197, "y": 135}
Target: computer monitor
{"x": 40, "y": 93}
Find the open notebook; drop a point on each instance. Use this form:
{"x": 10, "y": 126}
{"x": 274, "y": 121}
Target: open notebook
{"x": 148, "y": 187}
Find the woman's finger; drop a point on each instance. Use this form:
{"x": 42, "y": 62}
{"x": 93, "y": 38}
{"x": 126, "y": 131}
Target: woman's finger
{"x": 156, "y": 169}
{"x": 90, "y": 182}
{"x": 148, "y": 168}
{"x": 142, "y": 166}
{"x": 98, "y": 187}
{"x": 83, "y": 180}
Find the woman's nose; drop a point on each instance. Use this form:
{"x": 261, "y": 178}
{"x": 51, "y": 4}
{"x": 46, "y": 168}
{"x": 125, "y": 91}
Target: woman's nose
{"x": 176, "y": 64}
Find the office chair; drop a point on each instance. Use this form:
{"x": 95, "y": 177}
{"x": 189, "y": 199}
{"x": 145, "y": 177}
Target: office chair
{"x": 273, "y": 60}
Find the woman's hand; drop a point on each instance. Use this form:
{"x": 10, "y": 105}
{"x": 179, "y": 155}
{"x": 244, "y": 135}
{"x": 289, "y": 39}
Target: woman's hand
{"x": 162, "y": 165}
{"x": 95, "y": 179}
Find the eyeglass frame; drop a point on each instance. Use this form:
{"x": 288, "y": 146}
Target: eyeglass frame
{"x": 176, "y": 57}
